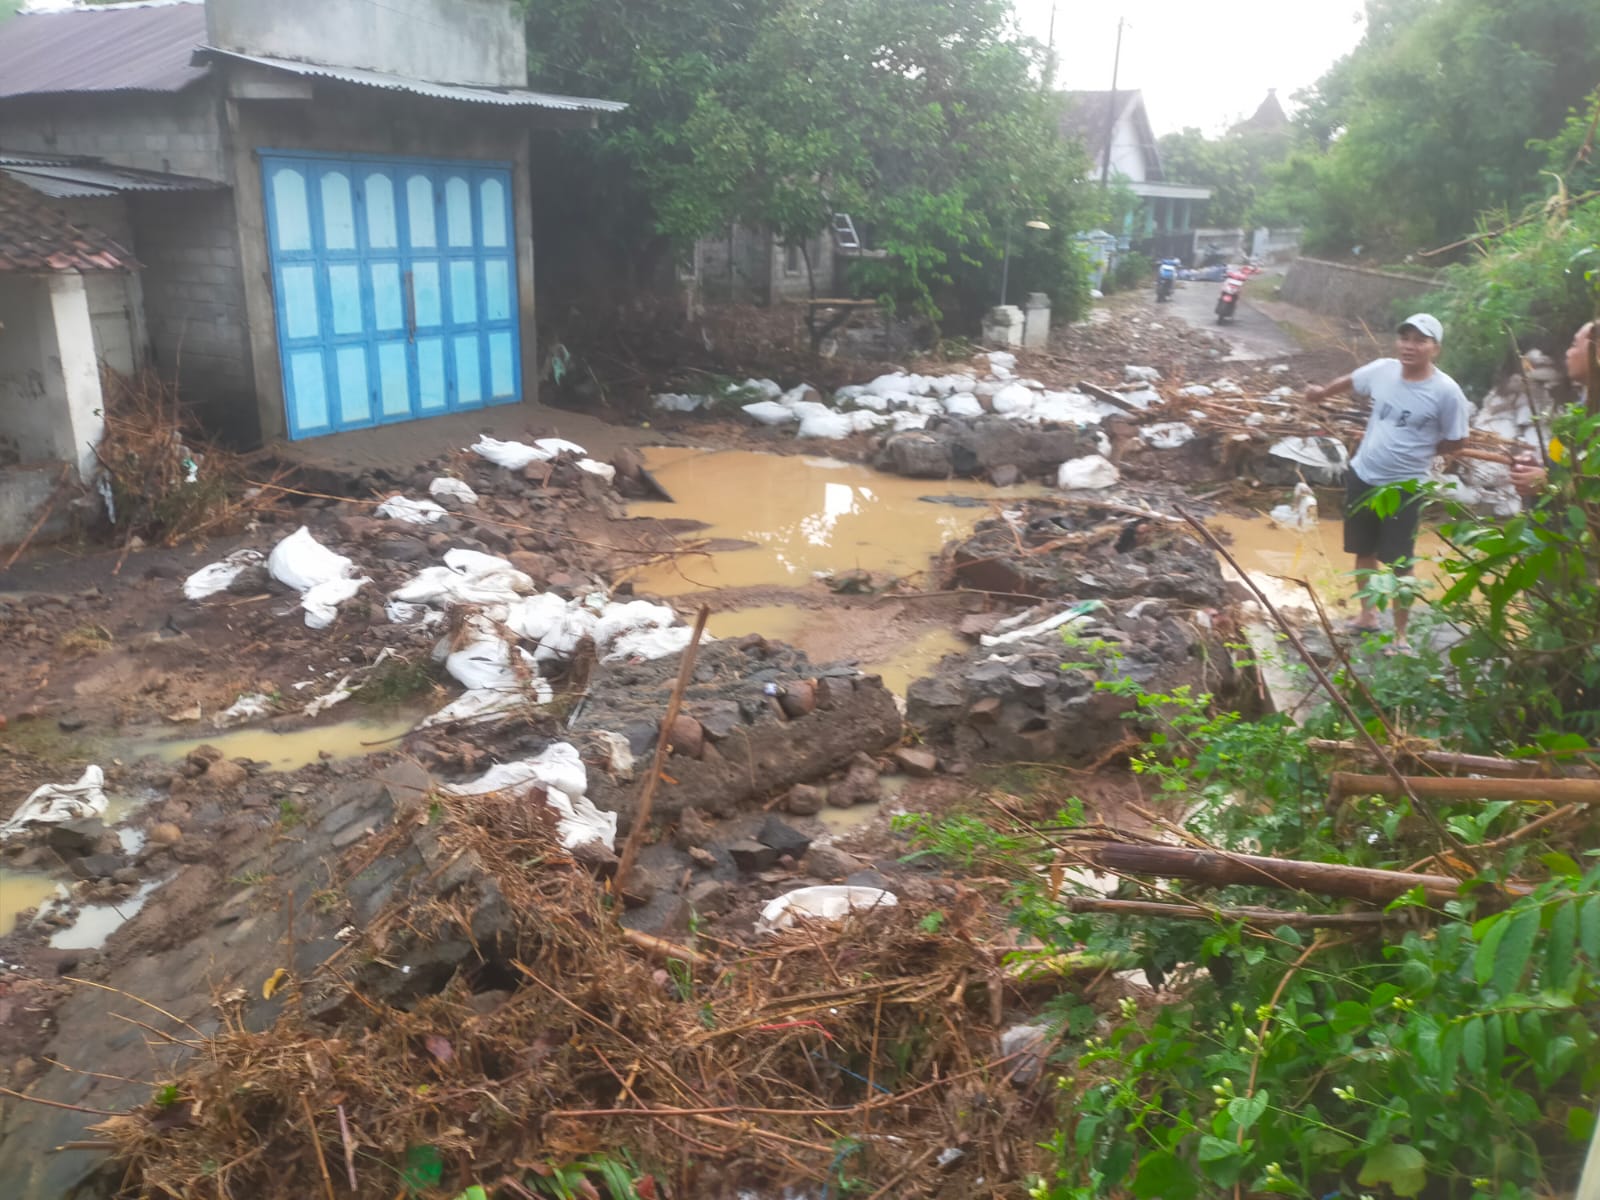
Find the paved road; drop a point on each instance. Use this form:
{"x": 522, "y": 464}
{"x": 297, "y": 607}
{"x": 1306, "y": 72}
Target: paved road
{"x": 1252, "y": 334}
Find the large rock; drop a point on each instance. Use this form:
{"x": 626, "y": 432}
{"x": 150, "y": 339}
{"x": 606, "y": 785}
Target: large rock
{"x": 916, "y": 455}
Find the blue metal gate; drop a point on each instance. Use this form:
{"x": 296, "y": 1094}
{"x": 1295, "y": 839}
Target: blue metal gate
{"x": 395, "y": 288}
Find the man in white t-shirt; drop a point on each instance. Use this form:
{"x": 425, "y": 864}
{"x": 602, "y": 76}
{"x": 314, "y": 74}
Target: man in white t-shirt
{"x": 1418, "y": 412}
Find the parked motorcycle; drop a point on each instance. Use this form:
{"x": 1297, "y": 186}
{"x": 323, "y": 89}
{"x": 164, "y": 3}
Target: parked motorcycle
{"x": 1166, "y": 278}
{"x": 1228, "y": 301}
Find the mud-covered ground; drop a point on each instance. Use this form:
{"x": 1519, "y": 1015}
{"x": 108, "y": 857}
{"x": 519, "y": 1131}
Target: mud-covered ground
{"x": 108, "y": 664}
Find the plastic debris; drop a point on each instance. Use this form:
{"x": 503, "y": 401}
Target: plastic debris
{"x": 216, "y": 577}
{"x": 1167, "y": 435}
{"x": 824, "y": 902}
{"x": 1076, "y": 614}
{"x": 1135, "y": 374}
{"x": 415, "y": 512}
{"x": 1089, "y": 472}
{"x": 770, "y": 412}
{"x": 594, "y": 466}
{"x": 53, "y": 803}
{"x": 1301, "y": 514}
{"x": 245, "y": 708}
{"x": 454, "y": 488}
{"x": 678, "y": 402}
{"x": 515, "y": 455}
{"x": 324, "y": 579}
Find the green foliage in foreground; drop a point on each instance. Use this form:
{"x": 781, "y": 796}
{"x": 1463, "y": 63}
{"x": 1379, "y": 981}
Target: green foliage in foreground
{"x": 1529, "y": 289}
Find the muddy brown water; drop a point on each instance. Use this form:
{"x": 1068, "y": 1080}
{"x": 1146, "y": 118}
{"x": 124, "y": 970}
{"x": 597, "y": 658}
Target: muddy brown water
{"x": 806, "y": 515}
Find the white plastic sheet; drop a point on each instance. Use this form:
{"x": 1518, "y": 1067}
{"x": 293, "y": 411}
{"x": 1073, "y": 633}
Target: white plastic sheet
{"x": 1076, "y": 614}
{"x": 217, "y": 576}
{"x": 825, "y": 902}
{"x": 652, "y": 643}
{"x": 1092, "y": 471}
{"x": 54, "y": 803}
{"x": 516, "y": 455}
{"x": 454, "y": 488}
{"x": 594, "y": 466}
{"x": 245, "y": 708}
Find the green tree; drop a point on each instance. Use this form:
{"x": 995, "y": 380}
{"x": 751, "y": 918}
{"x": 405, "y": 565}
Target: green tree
{"x": 1435, "y": 117}
{"x": 924, "y": 121}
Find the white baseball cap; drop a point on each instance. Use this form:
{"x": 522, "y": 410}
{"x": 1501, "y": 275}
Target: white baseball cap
{"x": 1426, "y": 324}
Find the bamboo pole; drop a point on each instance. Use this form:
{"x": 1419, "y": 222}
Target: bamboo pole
{"x": 1482, "y": 764}
{"x": 647, "y": 794}
{"x": 1267, "y": 917}
{"x": 1559, "y": 791}
{"x": 1220, "y": 868}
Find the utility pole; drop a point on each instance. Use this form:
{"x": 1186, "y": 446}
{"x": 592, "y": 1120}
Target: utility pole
{"x": 1050, "y": 51}
{"x": 1111, "y": 109}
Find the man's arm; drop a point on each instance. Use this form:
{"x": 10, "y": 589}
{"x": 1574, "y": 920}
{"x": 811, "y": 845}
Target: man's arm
{"x": 1341, "y": 384}
{"x": 1454, "y": 424}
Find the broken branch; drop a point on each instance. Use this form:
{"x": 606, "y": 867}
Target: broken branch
{"x": 1250, "y": 916}
{"x": 1558, "y": 791}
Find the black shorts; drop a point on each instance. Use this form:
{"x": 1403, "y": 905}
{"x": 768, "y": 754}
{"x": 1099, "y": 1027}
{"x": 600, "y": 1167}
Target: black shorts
{"x": 1389, "y": 539}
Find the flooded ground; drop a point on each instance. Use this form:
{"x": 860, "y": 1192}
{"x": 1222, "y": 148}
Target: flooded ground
{"x": 21, "y": 890}
{"x": 1276, "y": 557}
{"x": 804, "y": 515}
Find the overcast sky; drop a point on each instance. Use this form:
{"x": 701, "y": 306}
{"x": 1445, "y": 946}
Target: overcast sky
{"x": 1201, "y": 64}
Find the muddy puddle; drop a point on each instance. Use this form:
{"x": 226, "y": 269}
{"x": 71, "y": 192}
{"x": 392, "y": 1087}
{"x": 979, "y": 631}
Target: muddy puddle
{"x": 803, "y": 515}
{"x": 293, "y": 749}
{"x": 21, "y": 890}
{"x": 879, "y": 645}
{"x": 1275, "y": 556}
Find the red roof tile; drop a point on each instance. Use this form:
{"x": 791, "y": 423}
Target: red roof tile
{"x": 36, "y": 237}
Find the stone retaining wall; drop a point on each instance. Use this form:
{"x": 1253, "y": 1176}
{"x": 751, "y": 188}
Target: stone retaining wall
{"x": 1354, "y": 293}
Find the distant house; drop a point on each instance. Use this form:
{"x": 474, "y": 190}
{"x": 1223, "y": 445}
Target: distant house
{"x": 1269, "y": 119}
{"x": 320, "y": 209}
{"x": 1115, "y": 131}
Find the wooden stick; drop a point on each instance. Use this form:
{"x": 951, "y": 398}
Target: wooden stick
{"x": 662, "y": 948}
{"x": 1190, "y": 912}
{"x": 1445, "y": 836}
{"x": 1481, "y": 764}
{"x": 1559, "y": 791}
{"x": 647, "y": 794}
{"x": 1220, "y": 868}
{"x": 1111, "y": 398}
{"x": 93, "y": 1112}
{"x": 316, "y": 1144}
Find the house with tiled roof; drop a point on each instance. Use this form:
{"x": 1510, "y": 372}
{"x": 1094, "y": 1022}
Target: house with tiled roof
{"x": 1115, "y": 132}
{"x": 322, "y": 207}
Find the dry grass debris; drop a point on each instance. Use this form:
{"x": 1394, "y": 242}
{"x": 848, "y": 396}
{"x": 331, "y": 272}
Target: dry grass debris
{"x": 830, "y": 1054}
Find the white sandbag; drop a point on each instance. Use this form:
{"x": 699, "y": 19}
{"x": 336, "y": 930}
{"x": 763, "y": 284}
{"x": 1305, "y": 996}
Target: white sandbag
{"x": 1167, "y": 435}
{"x": 454, "y": 488}
{"x": 678, "y": 402}
{"x": 322, "y": 602}
{"x": 765, "y": 388}
{"x": 468, "y": 577}
{"x": 770, "y": 412}
{"x": 1013, "y": 398}
{"x": 618, "y": 619}
{"x": 563, "y": 637}
{"x": 651, "y": 644}
{"x": 554, "y": 446}
{"x": 216, "y": 577}
{"x": 1067, "y": 408}
{"x": 594, "y": 466}
{"x": 797, "y": 395}
{"x": 489, "y": 704}
{"x": 1197, "y": 390}
{"x": 1002, "y": 364}
{"x": 895, "y": 381}
{"x": 513, "y": 456}
{"x": 825, "y": 902}
{"x": 902, "y": 421}
{"x": 825, "y": 425}
{"x": 949, "y": 385}
{"x": 414, "y": 512}
{"x": 862, "y": 421}
{"x": 963, "y": 404}
{"x": 1090, "y": 471}
{"x": 54, "y": 803}
{"x": 533, "y": 617}
{"x": 1135, "y": 374}
{"x": 400, "y": 613}
{"x": 301, "y": 562}
{"x": 559, "y": 770}
{"x": 486, "y": 662}
{"x": 1142, "y": 398}
{"x": 875, "y": 401}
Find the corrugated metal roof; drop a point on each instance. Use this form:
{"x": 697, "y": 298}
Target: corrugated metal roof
{"x": 505, "y": 97}
{"x": 70, "y": 178}
{"x": 101, "y": 50}
{"x": 36, "y": 237}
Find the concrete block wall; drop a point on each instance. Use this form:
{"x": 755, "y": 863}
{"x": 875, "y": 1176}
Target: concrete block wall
{"x": 194, "y": 304}
{"x": 447, "y": 41}
{"x": 1353, "y": 293}
{"x": 28, "y": 387}
{"x": 180, "y": 134}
